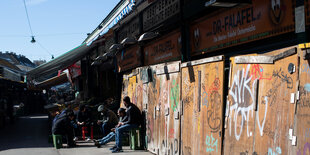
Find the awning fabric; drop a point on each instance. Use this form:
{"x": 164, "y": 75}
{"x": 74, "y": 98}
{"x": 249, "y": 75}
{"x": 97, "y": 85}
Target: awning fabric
{"x": 54, "y": 81}
{"x": 60, "y": 62}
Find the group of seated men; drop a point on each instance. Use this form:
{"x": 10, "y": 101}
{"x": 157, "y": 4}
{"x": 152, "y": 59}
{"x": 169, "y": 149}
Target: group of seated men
{"x": 112, "y": 127}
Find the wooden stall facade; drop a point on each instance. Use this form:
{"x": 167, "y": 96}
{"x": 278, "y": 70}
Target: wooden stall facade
{"x": 301, "y": 130}
{"x": 202, "y": 97}
{"x": 163, "y": 109}
{"x": 261, "y": 103}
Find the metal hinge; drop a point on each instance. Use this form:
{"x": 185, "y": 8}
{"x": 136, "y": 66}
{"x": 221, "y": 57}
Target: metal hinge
{"x": 297, "y": 96}
{"x": 292, "y": 100}
{"x": 292, "y": 137}
{"x": 176, "y": 115}
{"x": 166, "y": 111}
{"x": 182, "y": 108}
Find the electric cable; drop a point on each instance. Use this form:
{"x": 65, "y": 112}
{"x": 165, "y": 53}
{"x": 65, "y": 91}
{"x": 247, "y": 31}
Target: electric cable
{"x": 45, "y": 49}
{"x": 28, "y": 19}
{"x": 41, "y": 35}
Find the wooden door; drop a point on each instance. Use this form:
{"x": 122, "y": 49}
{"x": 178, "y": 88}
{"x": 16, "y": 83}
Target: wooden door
{"x": 260, "y": 103}
{"x": 202, "y": 109}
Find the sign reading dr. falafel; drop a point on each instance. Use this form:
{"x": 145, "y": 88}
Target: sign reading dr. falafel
{"x": 164, "y": 49}
{"x": 261, "y": 19}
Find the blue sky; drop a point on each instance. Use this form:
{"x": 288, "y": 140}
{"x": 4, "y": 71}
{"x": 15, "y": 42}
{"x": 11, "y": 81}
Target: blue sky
{"x": 58, "y": 25}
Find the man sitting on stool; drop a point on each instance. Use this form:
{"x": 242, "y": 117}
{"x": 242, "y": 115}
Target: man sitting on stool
{"x": 62, "y": 126}
{"x": 83, "y": 120}
{"x": 122, "y": 114}
{"x": 108, "y": 121}
{"x": 134, "y": 120}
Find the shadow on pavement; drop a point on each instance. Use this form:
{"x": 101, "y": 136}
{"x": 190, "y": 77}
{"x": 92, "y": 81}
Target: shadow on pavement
{"x": 26, "y": 132}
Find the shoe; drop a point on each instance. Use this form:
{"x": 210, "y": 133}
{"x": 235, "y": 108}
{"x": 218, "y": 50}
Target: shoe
{"x": 75, "y": 138}
{"x": 97, "y": 143}
{"x": 88, "y": 139}
{"x": 71, "y": 145}
{"x": 114, "y": 147}
{"x": 117, "y": 150}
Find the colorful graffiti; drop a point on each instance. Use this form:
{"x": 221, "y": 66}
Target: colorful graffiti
{"x": 243, "y": 98}
{"x": 277, "y": 151}
{"x": 213, "y": 114}
{"x": 257, "y": 72}
{"x": 305, "y": 150}
{"x": 175, "y": 95}
{"x": 305, "y": 68}
{"x": 283, "y": 77}
{"x": 211, "y": 143}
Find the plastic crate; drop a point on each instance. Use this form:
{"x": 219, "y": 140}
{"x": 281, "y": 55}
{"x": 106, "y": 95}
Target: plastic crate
{"x": 57, "y": 139}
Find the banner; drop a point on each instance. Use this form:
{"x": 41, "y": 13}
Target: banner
{"x": 75, "y": 70}
{"x": 166, "y": 48}
{"x": 230, "y": 27}
{"x": 129, "y": 58}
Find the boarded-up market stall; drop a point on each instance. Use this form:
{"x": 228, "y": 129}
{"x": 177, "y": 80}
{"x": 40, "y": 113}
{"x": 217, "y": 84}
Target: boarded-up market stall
{"x": 261, "y": 103}
{"x": 202, "y": 96}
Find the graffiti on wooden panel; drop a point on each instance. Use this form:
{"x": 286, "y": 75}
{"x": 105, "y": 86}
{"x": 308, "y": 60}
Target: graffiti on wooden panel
{"x": 171, "y": 133}
{"x": 187, "y": 150}
{"x": 163, "y": 93}
{"x": 211, "y": 143}
{"x": 174, "y": 147}
{"x": 307, "y": 133}
{"x": 307, "y": 87}
{"x": 276, "y": 151}
{"x": 305, "y": 150}
{"x": 150, "y": 129}
{"x": 305, "y": 68}
{"x": 213, "y": 114}
{"x": 174, "y": 95}
{"x": 247, "y": 153}
{"x": 188, "y": 91}
{"x": 257, "y": 72}
{"x": 270, "y": 132}
{"x": 283, "y": 77}
{"x": 242, "y": 96}
{"x": 304, "y": 100}
{"x": 204, "y": 97}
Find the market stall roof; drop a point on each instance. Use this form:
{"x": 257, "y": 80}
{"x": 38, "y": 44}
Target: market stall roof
{"x": 60, "y": 62}
{"x": 57, "y": 80}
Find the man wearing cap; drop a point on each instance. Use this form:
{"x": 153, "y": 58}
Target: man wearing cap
{"x": 108, "y": 121}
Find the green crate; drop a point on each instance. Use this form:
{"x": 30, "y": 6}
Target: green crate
{"x": 135, "y": 142}
{"x": 57, "y": 139}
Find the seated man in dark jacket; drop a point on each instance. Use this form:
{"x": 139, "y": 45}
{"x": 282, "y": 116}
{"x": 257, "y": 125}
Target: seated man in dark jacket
{"x": 84, "y": 119}
{"x": 108, "y": 121}
{"x": 133, "y": 121}
{"x": 122, "y": 114}
{"x": 63, "y": 127}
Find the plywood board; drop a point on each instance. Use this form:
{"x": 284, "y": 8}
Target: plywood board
{"x": 259, "y": 107}
{"x": 202, "y": 96}
{"x": 302, "y": 129}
